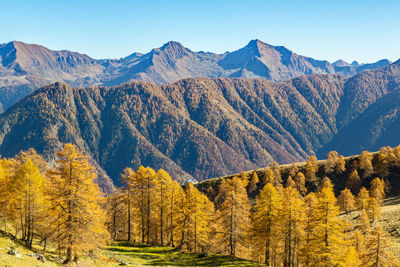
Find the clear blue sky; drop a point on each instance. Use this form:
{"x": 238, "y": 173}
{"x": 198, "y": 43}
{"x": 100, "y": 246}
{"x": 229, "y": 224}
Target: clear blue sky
{"x": 363, "y": 30}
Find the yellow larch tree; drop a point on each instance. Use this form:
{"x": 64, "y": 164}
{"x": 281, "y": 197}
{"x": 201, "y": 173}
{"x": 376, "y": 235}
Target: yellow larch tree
{"x": 365, "y": 164}
{"x": 362, "y": 199}
{"x": 346, "y": 201}
{"x": 311, "y": 168}
{"x": 8, "y": 203}
{"x": 164, "y": 182}
{"x": 128, "y": 179}
{"x": 234, "y": 215}
{"x": 252, "y": 186}
{"x": 354, "y": 182}
{"x": 335, "y": 163}
{"x": 374, "y": 210}
{"x": 310, "y": 220}
{"x": 378, "y": 249}
{"x": 292, "y": 225}
{"x": 377, "y": 190}
{"x": 27, "y": 188}
{"x": 265, "y": 222}
{"x": 76, "y": 200}
{"x": 328, "y": 239}
{"x": 198, "y": 212}
{"x": 175, "y": 200}
{"x": 300, "y": 181}
{"x": 363, "y": 222}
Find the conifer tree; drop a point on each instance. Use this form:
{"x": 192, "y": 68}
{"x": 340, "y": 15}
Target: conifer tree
{"x": 335, "y": 163}
{"x": 377, "y": 249}
{"x": 374, "y": 209}
{"x": 234, "y": 211}
{"x": 291, "y": 224}
{"x": 351, "y": 258}
{"x": 76, "y": 199}
{"x": 27, "y": 188}
{"x": 311, "y": 168}
{"x": 354, "y": 182}
{"x": 365, "y": 164}
{"x": 115, "y": 209}
{"x": 362, "y": 199}
{"x": 363, "y": 222}
{"x": 346, "y": 201}
{"x": 310, "y": 220}
{"x": 290, "y": 182}
{"x": 175, "y": 201}
{"x": 377, "y": 190}
{"x": 358, "y": 241}
{"x": 265, "y": 225}
{"x": 328, "y": 239}
{"x": 128, "y": 179}
{"x": 269, "y": 176}
{"x": 252, "y": 186}
{"x": 7, "y": 199}
{"x": 300, "y": 181}
{"x": 198, "y": 212}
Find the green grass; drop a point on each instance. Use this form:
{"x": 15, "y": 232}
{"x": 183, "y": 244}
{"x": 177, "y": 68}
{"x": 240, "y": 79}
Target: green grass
{"x": 133, "y": 254}
{"x": 146, "y": 255}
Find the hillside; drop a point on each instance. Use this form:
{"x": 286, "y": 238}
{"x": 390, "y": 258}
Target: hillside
{"x": 202, "y": 128}
{"x": 25, "y": 67}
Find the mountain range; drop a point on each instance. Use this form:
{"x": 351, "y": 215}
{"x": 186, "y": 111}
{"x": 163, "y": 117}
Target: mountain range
{"x": 25, "y": 67}
{"x": 198, "y": 128}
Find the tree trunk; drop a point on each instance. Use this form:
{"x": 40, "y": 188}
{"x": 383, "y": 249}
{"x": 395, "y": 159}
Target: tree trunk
{"x": 129, "y": 218}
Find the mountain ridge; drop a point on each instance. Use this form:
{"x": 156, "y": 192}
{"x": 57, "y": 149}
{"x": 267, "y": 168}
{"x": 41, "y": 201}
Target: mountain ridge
{"x": 25, "y": 67}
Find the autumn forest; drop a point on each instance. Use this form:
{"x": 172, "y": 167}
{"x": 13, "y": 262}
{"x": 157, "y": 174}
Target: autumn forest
{"x": 292, "y": 218}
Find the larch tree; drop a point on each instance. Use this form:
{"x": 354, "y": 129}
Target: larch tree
{"x": 198, "y": 212}
{"x": 265, "y": 222}
{"x": 346, "y": 201}
{"x": 362, "y": 199}
{"x": 252, "y": 186}
{"x": 164, "y": 182}
{"x": 128, "y": 179}
{"x": 354, "y": 182}
{"x": 363, "y": 222}
{"x": 358, "y": 242}
{"x": 7, "y": 199}
{"x": 378, "y": 249}
{"x": 311, "y": 168}
{"x": 335, "y": 163}
{"x": 351, "y": 258}
{"x": 234, "y": 214}
{"x": 377, "y": 190}
{"x": 365, "y": 164}
{"x": 300, "y": 181}
{"x": 269, "y": 176}
{"x": 76, "y": 198}
{"x": 328, "y": 239}
{"x": 374, "y": 210}
{"x": 175, "y": 216}
{"x": 310, "y": 221}
{"x": 116, "y": 208}
{"x": 292, "y": 225}
{"x": 27, "y": 187}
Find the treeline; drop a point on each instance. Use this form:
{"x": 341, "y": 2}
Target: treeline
{"x": 282, "y": 224}
{"x": 59, "y": 205}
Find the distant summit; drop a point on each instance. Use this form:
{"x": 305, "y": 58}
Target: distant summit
{"x": 25, "y": 67}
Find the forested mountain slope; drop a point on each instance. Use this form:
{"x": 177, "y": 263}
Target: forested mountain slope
{"x": 202, "y": 128}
